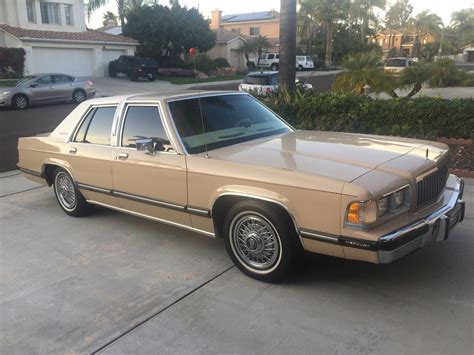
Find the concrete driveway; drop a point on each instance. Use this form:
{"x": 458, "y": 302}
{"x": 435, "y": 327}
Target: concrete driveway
{"x": 116, "y": 284}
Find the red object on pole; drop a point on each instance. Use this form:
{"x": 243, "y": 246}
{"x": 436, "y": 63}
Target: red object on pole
{"x": 192, "y": 51}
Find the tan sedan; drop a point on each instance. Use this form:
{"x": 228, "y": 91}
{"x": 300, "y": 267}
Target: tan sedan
{"x": 224, "y": 165}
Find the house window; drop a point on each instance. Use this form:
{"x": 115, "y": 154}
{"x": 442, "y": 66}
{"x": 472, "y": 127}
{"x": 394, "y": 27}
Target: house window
{"x": 30, "y": 10}
{"x": 68, "y": 14}
{"x": 254, "y": 31}
{"x": 50, "y": 13}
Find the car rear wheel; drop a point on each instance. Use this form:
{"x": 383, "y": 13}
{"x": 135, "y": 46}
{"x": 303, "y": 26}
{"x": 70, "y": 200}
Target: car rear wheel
{"x": 300, "y": 67}
{"x": 274, "y": 67}
{"x": 20, "y": 102}
{"x": 261, "y": 241}
{"x": 68, "y": 196}
{"x": 79, "y": 96}
{"x": 112, "y": 73}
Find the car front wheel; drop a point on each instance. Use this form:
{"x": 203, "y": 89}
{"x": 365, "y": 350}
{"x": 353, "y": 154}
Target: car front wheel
{"x": 274, "y": 67}
{"x": 261, "y": 241}
{"x": 20, "y": 102}
{"x": 68, "y": 196}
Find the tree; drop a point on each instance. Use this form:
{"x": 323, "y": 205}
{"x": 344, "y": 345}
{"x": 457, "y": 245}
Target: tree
{"x": 398, "y": 14}
{"x": 287, "y": 64}
{"x": 122, "y": 7}
{"x": 260, "y": 43}
{"x": 328, "y": 12}
{"x": 424, "y": 23}
{"x": 165, "y": 31}
{"x": 462, "y": 22}
{"x": 363, "y": 9}
{"x": 246, "y": 48}
{"x": 108, "y": 18}
{"x": 307, "y": 23}
{"x": 416, "y": 75}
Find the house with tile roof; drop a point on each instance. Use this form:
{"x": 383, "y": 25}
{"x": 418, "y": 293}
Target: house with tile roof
{"x": 264, "y": 23}
{"x": 55, "y": 38}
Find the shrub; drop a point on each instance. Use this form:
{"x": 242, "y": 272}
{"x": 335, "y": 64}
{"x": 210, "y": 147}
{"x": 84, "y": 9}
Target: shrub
{"x": 424, "y": 117}
{"x": 445, "y": 73}
{"x": 221, "y": 63}
{"x": 171, "y": 62}
{"x": 12, "y": 62}
{"x": 204, "y": 63}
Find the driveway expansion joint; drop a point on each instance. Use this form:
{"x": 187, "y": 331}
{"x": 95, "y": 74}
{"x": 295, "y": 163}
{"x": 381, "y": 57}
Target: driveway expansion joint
{"x": 142, "y": 322}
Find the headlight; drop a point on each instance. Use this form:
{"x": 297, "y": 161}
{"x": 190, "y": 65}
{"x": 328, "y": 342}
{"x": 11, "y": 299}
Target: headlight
{"x": 365, "y": 213}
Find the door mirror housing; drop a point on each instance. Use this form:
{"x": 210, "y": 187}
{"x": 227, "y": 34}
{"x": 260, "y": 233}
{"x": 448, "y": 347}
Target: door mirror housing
{"x": 34, "y": 85}
{"x": 145, "y": 145}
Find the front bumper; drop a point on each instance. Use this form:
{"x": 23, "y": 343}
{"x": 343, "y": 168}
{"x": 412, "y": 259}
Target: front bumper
{"x": 434, "y": 227}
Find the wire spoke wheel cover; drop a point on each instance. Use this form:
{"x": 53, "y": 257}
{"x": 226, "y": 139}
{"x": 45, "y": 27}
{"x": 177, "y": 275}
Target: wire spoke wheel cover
{"x": 65, "y": 191}
{"x": 255, "y": 241}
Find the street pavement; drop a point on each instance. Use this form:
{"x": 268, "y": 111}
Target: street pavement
{"x": 117, "y": 284}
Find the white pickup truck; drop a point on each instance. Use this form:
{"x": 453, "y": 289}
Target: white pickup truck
{"x": 272, "y": 61}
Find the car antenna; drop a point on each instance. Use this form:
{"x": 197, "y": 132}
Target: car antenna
{"x": 192, "y": 53}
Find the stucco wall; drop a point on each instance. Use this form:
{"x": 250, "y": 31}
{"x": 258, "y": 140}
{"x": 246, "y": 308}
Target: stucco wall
{"x": 271, "y": 29}
{"x": 14, "y": 14}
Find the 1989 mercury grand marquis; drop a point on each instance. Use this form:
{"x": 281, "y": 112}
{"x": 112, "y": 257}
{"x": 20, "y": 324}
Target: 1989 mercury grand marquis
{"x": 224, "y": 165}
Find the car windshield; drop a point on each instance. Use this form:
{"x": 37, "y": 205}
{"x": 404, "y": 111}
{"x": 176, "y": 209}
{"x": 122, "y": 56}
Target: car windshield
{"x": 395, "y": 63}
{"x": 257, "y": 79}
{"x": 147, "y": 62}
{"x": 228, "y": 119}
{"x": 25, "y": 81}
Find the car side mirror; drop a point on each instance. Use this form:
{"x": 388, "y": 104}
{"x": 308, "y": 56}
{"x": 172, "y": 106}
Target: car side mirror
{"x": 34, "y": 85}
{"x": 145, "y": 145}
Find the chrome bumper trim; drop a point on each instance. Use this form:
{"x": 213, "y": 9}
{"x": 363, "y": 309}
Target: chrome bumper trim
{"x": 434, "y": 227}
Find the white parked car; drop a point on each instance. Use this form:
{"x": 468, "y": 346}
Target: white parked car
{"x": 272, "y": 61}
{"x": 304, "y": 62}
{"x": 263, "y": 83}
{"x": 398, "y": 64}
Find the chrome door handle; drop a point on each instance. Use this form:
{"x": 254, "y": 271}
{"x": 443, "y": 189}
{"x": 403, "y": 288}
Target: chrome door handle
{"x": 72, "y": 150}
{"x": 123, "y": 155}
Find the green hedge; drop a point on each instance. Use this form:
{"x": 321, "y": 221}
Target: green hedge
{"x": 423, "y": 117}
{"x": 12, "y": 58}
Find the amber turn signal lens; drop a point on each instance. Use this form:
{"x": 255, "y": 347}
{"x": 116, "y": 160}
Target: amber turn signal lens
{"x": 353, "y": 213}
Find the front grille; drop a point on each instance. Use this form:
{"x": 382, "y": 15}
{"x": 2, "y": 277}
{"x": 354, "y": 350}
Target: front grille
{"x": 429, "y": 188}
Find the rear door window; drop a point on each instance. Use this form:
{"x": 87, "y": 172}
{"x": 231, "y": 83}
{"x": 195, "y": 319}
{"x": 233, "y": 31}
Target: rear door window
{"x": 97, "y": 126}
{"x": 62, "y": 79}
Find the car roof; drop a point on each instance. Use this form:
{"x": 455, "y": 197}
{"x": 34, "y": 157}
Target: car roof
{"x": 262, "y": 74}
{"x": 157, "y": 96}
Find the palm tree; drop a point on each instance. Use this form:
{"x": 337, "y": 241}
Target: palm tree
{"x": 287, "y": 63}
{"x": 260, "y": 43}
{"x": 108, "y": 18}
{"x": 122, "y": 6}
{"x": 424, "y": 23}
{"x": 307, "y": 22}
{"x": 362, "y": 9}
{"x": 416, "y": 75}
{"x": 328, "y": 12}
{"x": 362, "y": 69}
{"x": 463, "y": 20}
{"x": 246, "y": 48}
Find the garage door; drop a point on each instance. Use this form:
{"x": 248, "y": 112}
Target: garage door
{"x": 69, "y": 61}
{"x": 110, "y": 55}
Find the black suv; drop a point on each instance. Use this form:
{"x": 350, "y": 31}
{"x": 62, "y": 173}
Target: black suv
{"x": 134, "y": 67}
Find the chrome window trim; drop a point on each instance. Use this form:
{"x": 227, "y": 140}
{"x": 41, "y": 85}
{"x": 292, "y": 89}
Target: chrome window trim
{"x": 123, "y": 117}
{"x": 83, "y": 117}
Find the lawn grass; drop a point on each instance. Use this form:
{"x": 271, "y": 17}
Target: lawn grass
{"x": 5, "y": 83}
{"x": 182, "y": 81}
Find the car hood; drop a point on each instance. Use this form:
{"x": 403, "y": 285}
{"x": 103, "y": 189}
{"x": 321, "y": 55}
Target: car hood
{"x": 341, "y": 156}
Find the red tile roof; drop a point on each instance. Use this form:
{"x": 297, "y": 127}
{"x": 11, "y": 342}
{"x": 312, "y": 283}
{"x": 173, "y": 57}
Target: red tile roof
{"x": 88, "y": 36}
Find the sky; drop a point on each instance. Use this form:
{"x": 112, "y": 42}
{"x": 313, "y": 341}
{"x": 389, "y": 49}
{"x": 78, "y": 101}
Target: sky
{"x": 443, "y": 8}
